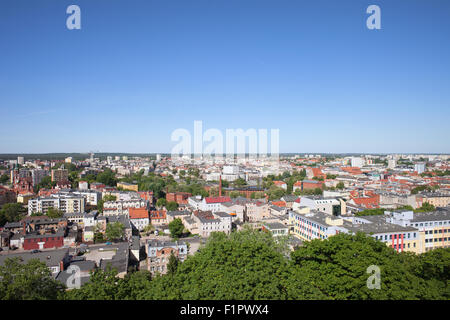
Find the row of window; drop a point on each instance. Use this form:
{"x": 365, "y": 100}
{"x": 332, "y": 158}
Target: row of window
{"x": 405, "y": 236}
{"x": 437, "y": 231}
{"x": 436, "y": 240}
{"x": 43, "y": 239}
{"x": 430, "y": 224}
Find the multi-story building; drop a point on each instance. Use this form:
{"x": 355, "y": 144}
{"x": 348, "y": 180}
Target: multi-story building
{"x": 213, "y": 203}
{"x": 139, "y": 218}
{"x": 434, "y": 198}
{"x": 256, "y": 210}
{"x": 6, "y": 196}
{"x": 319, "y": 225}
{"x": 63, "y": 202}
{"x": 60, "y": 175}
{"x": 121, "y": 206}
{"x": 435, "y": 225}
{"x": 159, "y": 252}
{"x": 37, "y": 175}
{"x": 128, "y": 186}
{"x": 212, "y": 222}
{"x": 178, "y": 197}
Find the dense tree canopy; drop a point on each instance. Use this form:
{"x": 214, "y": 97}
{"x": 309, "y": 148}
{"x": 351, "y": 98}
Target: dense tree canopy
{"x": 11, "y": 212}
{"x": 250, "y": 264}
{"x": 27, "y": 281}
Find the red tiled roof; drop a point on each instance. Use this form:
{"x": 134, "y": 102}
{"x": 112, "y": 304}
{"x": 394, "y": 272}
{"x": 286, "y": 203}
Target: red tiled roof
{"x": 217, "y": 199}
{"x": 138, "y": 213}
{"x": 161, "y": 214}
{"x": 279, "y": 204}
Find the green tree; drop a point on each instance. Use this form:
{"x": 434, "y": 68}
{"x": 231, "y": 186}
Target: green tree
{"x": 54, "y": 213}
{"x": 426, "y": 207}
{"x": 338, "y": 268}
{"x": 27, "y": 281}
{"x": 11, "y": 212}
{"x": 46, "y": 183}
{"x": 4, "y": 178}
{"x": 176, "y": 228}
{"x": 234, "y": 194}
{"x": 161, "y": 202}
{"x": 98, "y": 237}
{"x": 171, "y": 206}
{"x": 340, "y": 185}
{"x": 239, "y": 182}
{"x": 107, "y": 177}
{"x": 102, "y": 285}
{"x": 172, "y": 266}
{"x": 115, "y": 231}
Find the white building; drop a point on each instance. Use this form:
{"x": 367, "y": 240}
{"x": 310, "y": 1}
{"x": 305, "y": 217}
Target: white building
{"x": 64, "y": 203}
{"x": 220, "y": 223}
{"x": 121, "y": 207}
{"x": 213, "y": 203}
{"x": 357, "y": 162}
{"x": 83, "y": 185}
{"x": 419, "y": 167}
{"x": 392, "y": 163}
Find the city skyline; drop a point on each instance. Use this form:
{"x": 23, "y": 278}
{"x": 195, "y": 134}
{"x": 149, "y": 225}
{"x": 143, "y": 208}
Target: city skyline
{"x": 134, "y": 74}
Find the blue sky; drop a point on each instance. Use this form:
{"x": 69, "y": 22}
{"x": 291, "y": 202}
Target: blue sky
{"x": 137, "y": 70}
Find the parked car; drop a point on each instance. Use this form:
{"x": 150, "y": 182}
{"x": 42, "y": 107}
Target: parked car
{"x": 108, "y": 243}
{"x": 35, "y": 251}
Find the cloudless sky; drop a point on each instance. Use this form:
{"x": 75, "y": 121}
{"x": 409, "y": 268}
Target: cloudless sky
{"x": 138, "y": 70}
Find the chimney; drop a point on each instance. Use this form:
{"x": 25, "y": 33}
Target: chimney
{"x": 220, "y": 185}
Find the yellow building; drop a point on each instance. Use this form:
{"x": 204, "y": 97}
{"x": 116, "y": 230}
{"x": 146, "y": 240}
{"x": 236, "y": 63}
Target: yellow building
{"x": 437, "y": 200}
{"x": 23, "y": 198}
{"x": 128, "y": 186}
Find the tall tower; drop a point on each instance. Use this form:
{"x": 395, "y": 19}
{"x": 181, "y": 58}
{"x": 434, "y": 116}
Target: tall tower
{"x": 220, "y": 185}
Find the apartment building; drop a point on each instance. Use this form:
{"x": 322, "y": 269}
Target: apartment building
{"x": 435, "y": 199}
{"x": 60, "y": 175}
{"x": 121, "y": 207}
{"x": 256, "y": 210}
{"x": 63, "y": 202}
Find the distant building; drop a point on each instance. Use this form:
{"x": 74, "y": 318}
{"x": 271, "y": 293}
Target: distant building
{"x": 419, "y": 167}
{"x": 178, "y": 197}
{"x": 83, "y": 185}
{"x": 277, "y": 229}
{"x": 357, "y": 162}
{"x": 60, "y": 175}
{"x": 128, "y": 186}
{"x": 392, "y": 163}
